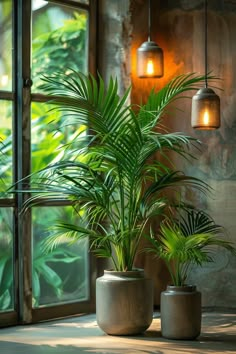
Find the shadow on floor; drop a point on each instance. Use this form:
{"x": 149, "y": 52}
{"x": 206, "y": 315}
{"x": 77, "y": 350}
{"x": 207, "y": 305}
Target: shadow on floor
{"x": 82, "y": 335}
{"x": 20, "y": 348}
{"x": 129, "y": 345}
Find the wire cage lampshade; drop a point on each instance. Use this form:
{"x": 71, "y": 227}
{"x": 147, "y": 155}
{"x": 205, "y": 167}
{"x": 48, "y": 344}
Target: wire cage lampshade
{"x": 205, "y": 103}
{"x": 150, "y": 56}
{"x": 205, "y": 110}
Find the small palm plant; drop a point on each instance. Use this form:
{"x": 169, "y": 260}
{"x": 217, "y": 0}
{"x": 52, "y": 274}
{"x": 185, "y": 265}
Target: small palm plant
{"x": 113, "y": 175}
{"x": 192, "y": 239}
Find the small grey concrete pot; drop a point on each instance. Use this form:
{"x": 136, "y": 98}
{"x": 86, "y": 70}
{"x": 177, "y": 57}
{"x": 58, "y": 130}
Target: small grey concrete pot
{"x": 181, "y": 312}
{"x": 124, "y": 302}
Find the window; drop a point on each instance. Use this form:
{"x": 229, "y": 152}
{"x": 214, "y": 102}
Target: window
{"x": 46, "y": 37}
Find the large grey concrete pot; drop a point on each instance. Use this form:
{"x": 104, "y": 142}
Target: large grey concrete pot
{"x": 124, "y": 302}
{"x": 181, "y": 312}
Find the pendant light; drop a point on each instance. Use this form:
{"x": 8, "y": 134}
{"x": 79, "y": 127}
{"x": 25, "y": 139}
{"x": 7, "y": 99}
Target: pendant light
{"x": 149, "y": 55}
{"x": 205, "y": 103}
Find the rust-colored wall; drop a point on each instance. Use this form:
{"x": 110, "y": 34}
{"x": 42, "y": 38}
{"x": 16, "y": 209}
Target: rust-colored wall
{"x": 177, "y": 26}
{"x": 179, "y": 31}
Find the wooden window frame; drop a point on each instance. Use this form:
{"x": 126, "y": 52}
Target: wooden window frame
{"x": 21, "y": 95}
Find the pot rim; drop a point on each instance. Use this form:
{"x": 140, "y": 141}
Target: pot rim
{"x": 124, "y": 271}
{"x": 136, "y": 273}
{"x": 185, "y": 287}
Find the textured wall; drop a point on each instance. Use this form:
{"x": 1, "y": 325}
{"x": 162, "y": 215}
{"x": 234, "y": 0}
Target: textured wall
{"x": 114, "y": 37}
{"x": 177, "y": 26}
{"x": 178, "y": 30}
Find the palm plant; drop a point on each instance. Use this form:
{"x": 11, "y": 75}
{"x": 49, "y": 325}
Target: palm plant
{"x": 114, "y": 175}
{"x": 191, "y": 239}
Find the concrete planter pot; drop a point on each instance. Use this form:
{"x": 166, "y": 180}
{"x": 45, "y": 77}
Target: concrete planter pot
{"x": 181, "y": 312}
{"x": 124, "y": 302}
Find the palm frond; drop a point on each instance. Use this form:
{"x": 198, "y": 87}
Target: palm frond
{"x": 193, "y": 239}
{"x": 113, "y": 176}
{"x": 151, "y": 112}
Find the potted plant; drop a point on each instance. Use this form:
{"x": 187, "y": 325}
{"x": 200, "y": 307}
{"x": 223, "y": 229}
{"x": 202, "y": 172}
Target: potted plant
{"x": 191, "y": 239}
{"x": 115, "y": 175}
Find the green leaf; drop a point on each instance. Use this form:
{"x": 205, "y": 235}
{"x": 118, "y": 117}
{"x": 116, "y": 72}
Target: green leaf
{"x": 51, "y": 277}
{"x": 36, "y": 287}
{"x": 5, "y": 300}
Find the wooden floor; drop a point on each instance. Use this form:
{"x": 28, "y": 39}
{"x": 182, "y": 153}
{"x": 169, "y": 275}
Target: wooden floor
{"x": 81, "y": 335}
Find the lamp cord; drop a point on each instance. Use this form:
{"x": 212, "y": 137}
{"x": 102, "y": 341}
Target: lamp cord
{"x": 149, "y": 20}
{"x": 205, "y": 25}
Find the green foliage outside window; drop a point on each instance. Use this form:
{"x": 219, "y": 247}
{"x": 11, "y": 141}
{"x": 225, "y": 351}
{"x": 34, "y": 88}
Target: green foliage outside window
{"x": 60, "y": 49}
{"x": 64, "y": 47}
{"x": 6, "y": 258}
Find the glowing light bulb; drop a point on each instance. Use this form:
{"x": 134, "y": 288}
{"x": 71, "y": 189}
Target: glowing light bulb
{"x": 206, "y": 118}
{"x": 150, "y": 67}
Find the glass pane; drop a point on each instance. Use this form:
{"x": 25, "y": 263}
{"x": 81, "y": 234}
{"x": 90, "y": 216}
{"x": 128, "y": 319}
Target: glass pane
{"x": 59, "y": 40}
{"x": 6, "y": 45}
{"x": 5, "y": 144}
{"x": 6, "y": 260}
{"x": 49, "y": 136}
{"x": 54, "y": 280}
{"x": 45, "y": 142}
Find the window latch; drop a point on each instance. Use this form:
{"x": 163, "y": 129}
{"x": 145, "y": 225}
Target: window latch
{"x": 27, "y": 83}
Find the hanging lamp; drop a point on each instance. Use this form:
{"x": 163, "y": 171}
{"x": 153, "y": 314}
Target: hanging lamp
{"x": 149, "y": 55}
{"x": 205, "y": 103}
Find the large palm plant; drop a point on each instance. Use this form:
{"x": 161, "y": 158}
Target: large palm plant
{"x": 114, "y": 175}
{"x": 191, "y": 239}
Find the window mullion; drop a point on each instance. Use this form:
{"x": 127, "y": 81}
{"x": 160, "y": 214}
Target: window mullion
{"x": 92, "y": 49}
{"x": 22, "y": 153}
